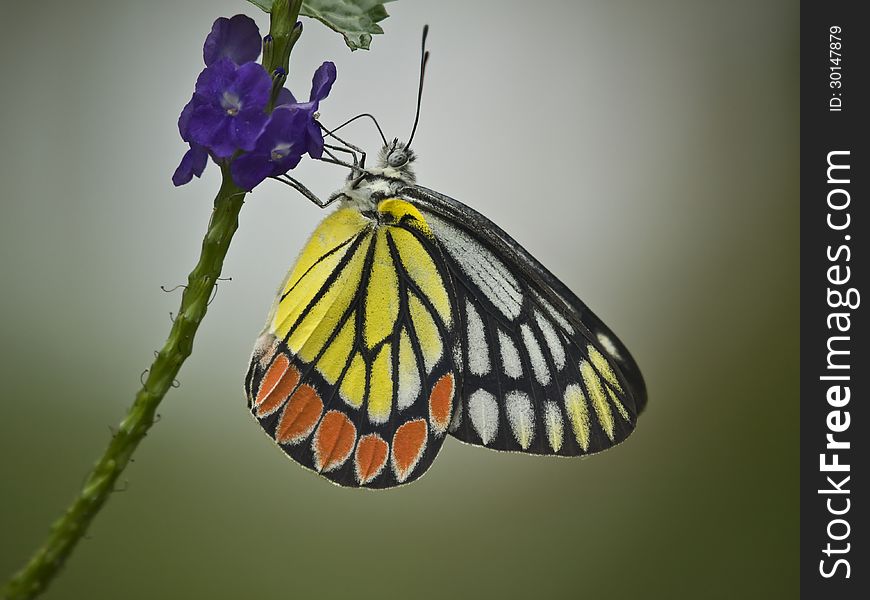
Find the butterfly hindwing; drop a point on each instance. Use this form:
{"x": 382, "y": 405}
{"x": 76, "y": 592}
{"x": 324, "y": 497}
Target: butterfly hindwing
{"x": 540, "y": 375}
{"x": 354, "y": 375}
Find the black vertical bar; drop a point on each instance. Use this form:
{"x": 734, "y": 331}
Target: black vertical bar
{"x": 835, "y": 66}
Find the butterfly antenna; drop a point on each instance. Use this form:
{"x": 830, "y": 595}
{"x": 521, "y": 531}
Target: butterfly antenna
{"x": 352, "y": 119}
{"x": 423, "y": 60}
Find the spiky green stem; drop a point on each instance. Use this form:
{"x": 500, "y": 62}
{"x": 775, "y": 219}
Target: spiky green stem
{"x": 66, "y": 532}
{"x": 69, "y": 529}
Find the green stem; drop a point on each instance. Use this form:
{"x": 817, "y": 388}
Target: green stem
{"x": 284, "y": 32}
{"x": 69, "y": 529}
{"x": 66, "y": 532}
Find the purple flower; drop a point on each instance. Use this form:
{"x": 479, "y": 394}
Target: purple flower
{"x": 226, "y": 118}
{"x": 279, "y": 149}
{"x": 228, "y": 107}
{"x": 237, "y": 39}
{"x": 290, "y": 133}
{"x": 192, "y": 163}
{"x": 321, "y": 85}
{"x": 285, "y": 96}
{"x": 227, "y": 110}
{"x": 196, "y": 158}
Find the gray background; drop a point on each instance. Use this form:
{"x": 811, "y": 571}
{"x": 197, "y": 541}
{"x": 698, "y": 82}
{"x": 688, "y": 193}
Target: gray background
{"x": 646, "y": 152}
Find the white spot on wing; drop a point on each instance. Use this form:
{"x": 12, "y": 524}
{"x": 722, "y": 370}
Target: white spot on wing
{"x": 478, "y": 352}
{"x": 521, "y": 417}
{"x": 483, "y": 412}
{"x": 510, "y": 357}
{"x": 409, "y": 376}
{"x": 608, "y": 345}
{"x": 480, "y": 265}
{"x": 552, "y": 339}
{"x": 539, "y": 365}
{"x": 557, "y": 316}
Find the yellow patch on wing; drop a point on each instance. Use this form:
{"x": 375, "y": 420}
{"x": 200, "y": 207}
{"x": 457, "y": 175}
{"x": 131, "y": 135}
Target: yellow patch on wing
{"x": 578, "y": 414}
{"x": 353, "y": 386}
{"x": 421, "y": 268}
{"x": 315, "y": 327}
{"x": 334, "y": 358}
{"x": 335, "y": 229}
{"x": 618, "y": 404}
{"x": 600, "y": 363}
{"x": 295, "y": 300}
{"x": 382, "y": 295}
{"x": 381, "y": 391}
{"x": 553, "y": 425}
{"x": 427, "y": 332}
{"x": 599, "y": 400}
{"x": 398, "y": 209}
{"x": 603, "y": 366}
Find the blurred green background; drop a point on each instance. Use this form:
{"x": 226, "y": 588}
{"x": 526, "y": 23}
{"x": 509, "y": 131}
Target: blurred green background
{"x": 646, "y": 152}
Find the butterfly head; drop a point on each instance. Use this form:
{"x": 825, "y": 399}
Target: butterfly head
{"x": 395, "y": 158}
{"x": 395, "y": 161}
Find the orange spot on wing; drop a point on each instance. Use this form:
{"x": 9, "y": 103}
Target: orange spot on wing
{"x": 333, "y": 441}
{"x": 370, "y": 457}
{"x": 273, "y": 376}
{"x": 441, "y": 403}
{"x": 277, "y": 384}
{"x": 299, "y": 416}
{"x": 409, "y": 441}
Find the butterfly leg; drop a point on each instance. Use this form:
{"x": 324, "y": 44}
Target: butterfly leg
{"x": 327, "y": 147}
{"x": 362, "y": 162}
{"x": 348, "y": 147}
{"x": 299, "y": 187}
{"x": 355, "y": 169}
{"x": 356, "y": 164}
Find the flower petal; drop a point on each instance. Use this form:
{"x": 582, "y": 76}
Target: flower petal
{"x": 227, "y": 111}
{"x": 246, "y": 127}
{"x": 285, "y": 97}
{"x": 288, "y": 163}
{"x": 249, "y": 170}
{"x": 322, "y": 81}
{"x": 214, "y": 79}
{"x": 184, "y": 120}
{"x": 237, "y": 39}
{"x": 222, "y": 143}
{"x": 204, "y": 122}
{"x": 192, "y": 163}
{"x": 315, "y": 139}
{"x": 253, "y": 86}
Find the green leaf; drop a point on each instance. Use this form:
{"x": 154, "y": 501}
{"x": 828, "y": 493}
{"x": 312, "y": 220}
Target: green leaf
{"x": 356, "y": 20}
{"x": 265, "y": 5}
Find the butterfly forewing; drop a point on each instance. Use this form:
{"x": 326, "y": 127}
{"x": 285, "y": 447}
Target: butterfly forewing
{"x": 563, "y": 303}
{"x": 354, "y": 375}
{"x": 536, "y": 377}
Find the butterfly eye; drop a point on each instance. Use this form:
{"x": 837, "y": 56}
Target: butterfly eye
{"x": 397, "y": 158}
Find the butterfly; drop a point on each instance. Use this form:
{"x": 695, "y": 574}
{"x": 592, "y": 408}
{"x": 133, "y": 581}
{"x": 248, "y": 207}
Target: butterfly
{"x": 408, "y": 318}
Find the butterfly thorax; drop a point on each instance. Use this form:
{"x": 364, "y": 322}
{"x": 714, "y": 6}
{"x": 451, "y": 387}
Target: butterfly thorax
{"x": 364, "y": 195}
{"x": 392, "y": 173}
